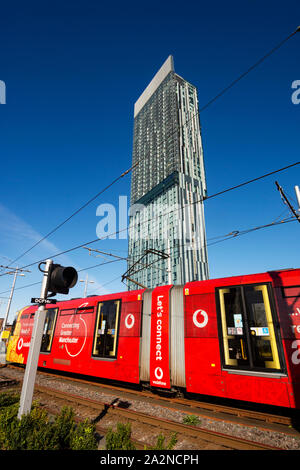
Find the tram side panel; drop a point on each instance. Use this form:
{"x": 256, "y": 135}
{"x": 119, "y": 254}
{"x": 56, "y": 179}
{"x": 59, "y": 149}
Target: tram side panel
{"x": 129, "y": 340}
{"x": 220, "y": 359}
{"x": 216, "y": 348}
{"x": 287, "y": 293}
{"x": 162, "y": 349}
{"x": 159, "y": 366}
{"x": 19, "y": 342}
{"x": 70, "y": 347}
{"x": 102, "y": 344}
{"x": 100, "y": 339}
{"x": 202, "y": 356}
{"x": 253, "y": 365}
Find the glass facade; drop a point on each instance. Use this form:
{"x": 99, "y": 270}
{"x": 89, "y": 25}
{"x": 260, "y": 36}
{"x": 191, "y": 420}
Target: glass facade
{"x": 168, "y": 184}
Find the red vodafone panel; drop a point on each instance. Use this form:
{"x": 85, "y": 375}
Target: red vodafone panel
{"x": 287, "y": 293}
{"x": 131, "y": 319}
{"x": 288, "y": 299}
{"x": 257, "y": 389}
{"x": 159, "y": 341}
{"x": 74, "y": 329}
{"x": 202, "y": 354}
{"x": 18, "y": 347}
{"x": 200, "y": 319}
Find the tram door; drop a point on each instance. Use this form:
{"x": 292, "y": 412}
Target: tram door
{"x": 250, "y": 339}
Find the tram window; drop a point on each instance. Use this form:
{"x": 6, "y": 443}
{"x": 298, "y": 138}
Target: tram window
{"x": 81, "y": 310}
{"x": 67, "y": 311}
{"x": 263, "y": 340}
{"x": 291, "y": 291}
{"x": 106, "y": 329}
{"x": 49, "y": 327}
{"x": 234, "y": 340}
{"x": 78, "y": 310}
{"x": 13, "y": 327}
{"x": 249, "y": 337}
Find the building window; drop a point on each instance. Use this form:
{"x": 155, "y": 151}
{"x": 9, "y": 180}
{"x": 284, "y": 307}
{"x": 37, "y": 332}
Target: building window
{"x": 106, "y": 329}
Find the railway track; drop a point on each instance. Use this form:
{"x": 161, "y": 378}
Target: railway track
{"x": 189, "y": 404}
{"x": 215, "y": 438}
{"x": 224, "y": 414}
{"x": 239, "y": 412}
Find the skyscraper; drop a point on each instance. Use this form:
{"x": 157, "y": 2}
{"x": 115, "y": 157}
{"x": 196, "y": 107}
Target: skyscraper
{"x": 168, "y": 184}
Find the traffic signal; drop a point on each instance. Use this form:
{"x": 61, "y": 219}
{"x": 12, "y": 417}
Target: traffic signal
{"x": 61, "y": 279}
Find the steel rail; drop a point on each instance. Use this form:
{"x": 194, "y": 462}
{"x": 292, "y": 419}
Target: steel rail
{"x": 189, "y": 403}
{"x": 221, "y": 439}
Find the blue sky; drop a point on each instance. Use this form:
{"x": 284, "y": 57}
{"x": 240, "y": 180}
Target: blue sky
{"x": 73, "y": 71}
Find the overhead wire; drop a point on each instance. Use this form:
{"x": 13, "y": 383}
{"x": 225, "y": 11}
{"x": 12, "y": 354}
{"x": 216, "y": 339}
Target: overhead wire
{"x": 137, "y": 163}
{"x": 239, "y": 233}
{"x": 262, "y": 59}
{"x": 229, "y": 236}
{"x": 177, "y": 128}
{"x": 162, "y": 215}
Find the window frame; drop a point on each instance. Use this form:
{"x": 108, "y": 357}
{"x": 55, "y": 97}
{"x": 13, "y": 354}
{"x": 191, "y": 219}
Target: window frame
{"x": 117, "y": 329}
{"x": 56, "y": 309}
{"x": 284, "y": 293}
{"x": 251, "y": 368}
{"x": 76, "y": 311}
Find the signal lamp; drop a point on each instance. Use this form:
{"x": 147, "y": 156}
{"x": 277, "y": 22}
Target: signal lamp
{"x": 61, "y": 279}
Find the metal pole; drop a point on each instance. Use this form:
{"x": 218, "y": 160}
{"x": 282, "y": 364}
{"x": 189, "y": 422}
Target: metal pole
{"x": 86, "y": 284}
{"x": 287, "y": 202}
{"x": 34, "y": 350}
{"x": 169, "y": 263}
{"x": 9, "y": 301}
{"x": 297, "y": 191}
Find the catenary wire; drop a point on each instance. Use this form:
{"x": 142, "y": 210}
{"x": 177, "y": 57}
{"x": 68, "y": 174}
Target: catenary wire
{"x": 244, "y": 232}
{"x": 262, "y": 59}
{"x": 162, "y": 215}
{"x": 159, "y": 143}
{"x": 226, "y": 237}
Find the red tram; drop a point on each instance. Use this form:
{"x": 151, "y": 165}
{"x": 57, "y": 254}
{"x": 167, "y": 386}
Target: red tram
{"x": 234, "y": 337}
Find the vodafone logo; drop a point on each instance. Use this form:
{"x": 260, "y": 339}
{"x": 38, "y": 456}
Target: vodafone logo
{"x": 21, "y": 344}
{"x": 202, "y": 316}
{"x": 158, "y": 373}
{"x": 129, "y": 321}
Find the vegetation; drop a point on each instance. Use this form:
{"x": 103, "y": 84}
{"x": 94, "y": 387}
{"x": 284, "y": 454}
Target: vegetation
{"x": 38, "y": 431}
{"x": 192, "y": 420}
{"x": 160, "y": 443}
{"x": 120, "y": 439}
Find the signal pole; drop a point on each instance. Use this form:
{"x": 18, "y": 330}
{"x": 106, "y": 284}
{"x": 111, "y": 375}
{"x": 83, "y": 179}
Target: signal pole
{"x": 297, "y": 191}
{"x": 34, "y": 350}
{"x": 10, "y": 299}
{"x": 57, "y": 279}
{"x": 86, "y": 284}
{"x": 16, "y": 272}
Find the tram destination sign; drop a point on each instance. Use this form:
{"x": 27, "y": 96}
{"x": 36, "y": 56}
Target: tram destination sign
{"x": 41, "y": 301}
